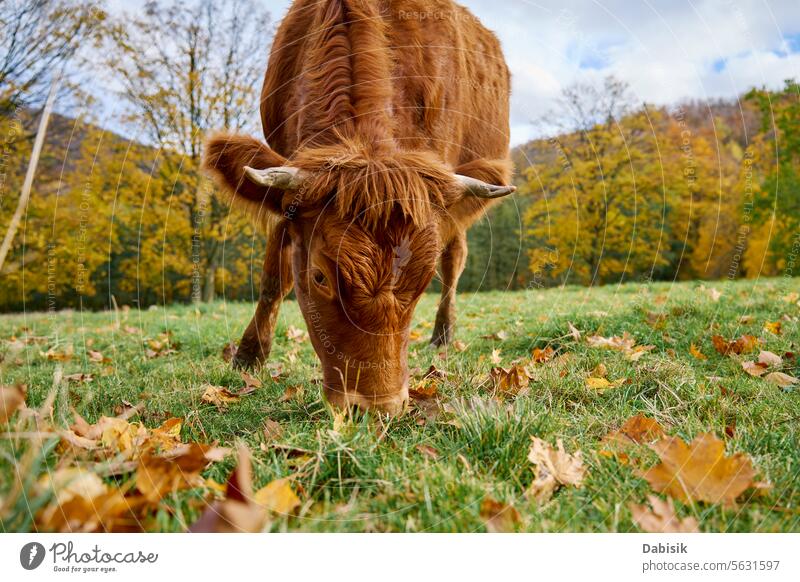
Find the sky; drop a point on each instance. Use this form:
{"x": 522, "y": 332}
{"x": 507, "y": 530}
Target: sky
{"x": 667, "y": 50}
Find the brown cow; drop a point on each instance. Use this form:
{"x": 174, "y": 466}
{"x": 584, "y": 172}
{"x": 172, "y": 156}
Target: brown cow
{"x": 388, "y": 129}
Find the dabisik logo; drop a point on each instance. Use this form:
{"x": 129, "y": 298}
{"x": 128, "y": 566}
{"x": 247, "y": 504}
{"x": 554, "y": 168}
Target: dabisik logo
{"x": 31, "y": 555}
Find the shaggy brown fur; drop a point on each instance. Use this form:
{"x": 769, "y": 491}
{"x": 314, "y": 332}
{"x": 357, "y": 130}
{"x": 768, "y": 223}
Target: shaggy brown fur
{"x": 381, "y": 101}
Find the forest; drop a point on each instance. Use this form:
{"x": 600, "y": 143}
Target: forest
{"x": 120, "y": 213}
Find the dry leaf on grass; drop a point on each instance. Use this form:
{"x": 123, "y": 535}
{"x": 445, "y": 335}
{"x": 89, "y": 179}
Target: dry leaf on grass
{"x": 625, "y": 344}
{"x": 770, "y": 359}
{"x": 237, "y": 513}
{"x": 774, "y": 327}
{"x": 695, "y": 352}
{"x": 218, "y": 396}
{"x": 499, "y": 517}
{"x": 277, "y": 497}
{"x": 601, "y": 384}
{"x": 294, "y": 392}
{"x": 510, "y": 382}
{"x": 756, "y": 369}
{"x": 495, "y": 358}
{"x": 699, "y": 471}
{"x": 12, "y": 398}
{"x": 540, "y": 356}
{"x": 82, "y": 502}
{"x": 158, "y": 475}
{"x": 553, "y": 467}
{"x": 459, "y": 346}
{"x": 638, "y": 429}
{"x": 272, "y": 430}
{"x": 425, "y": 389}
{"x": 742, "y": 345}
{"x": 499, "y": 336}
{"x": 660, "y": 517}
{"x": 251, "y": 383}
{"x": 781, "y": 379}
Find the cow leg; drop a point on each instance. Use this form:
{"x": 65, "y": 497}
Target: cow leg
{"x": 454, "y": 258}
{"x": 276, "y": 282}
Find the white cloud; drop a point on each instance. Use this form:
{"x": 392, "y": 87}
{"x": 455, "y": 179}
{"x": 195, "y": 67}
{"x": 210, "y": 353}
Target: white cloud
{"x": 667, "y": 50}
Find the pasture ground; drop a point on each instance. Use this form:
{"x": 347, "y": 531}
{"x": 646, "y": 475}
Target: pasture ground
{"x": 431, "y": 476}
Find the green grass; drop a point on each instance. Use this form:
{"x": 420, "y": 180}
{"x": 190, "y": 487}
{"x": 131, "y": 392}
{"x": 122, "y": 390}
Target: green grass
{"x": 371, "y": 476}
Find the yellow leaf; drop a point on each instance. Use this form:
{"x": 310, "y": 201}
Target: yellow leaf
{"x": 278, "y": 497}
{"x": 218, "y": 396}
{"x": 695, "y": 351}
{"x": 699, "y": 471}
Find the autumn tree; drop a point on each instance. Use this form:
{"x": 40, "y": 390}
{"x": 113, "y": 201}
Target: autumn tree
{"x": 597, "y": 210}
{"x": 773, "y": 184}
{"x": 37, "y": 40}
{"x": 186, "y": 69}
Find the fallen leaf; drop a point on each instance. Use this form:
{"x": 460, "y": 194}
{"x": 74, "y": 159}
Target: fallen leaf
{"x": 459, "y": 346}
{"x": 774, "y": 327}
{"x": 158, "y": 475}
{"x": 662, "y": 517}
{"x": 553, "y": 467}
{"x": 218, "y": 396}
{"x": 699, "y": 471}
{"x": 237, "y": 513}
{"x": 499, "y": 336}
{"x": 513, "y": 381}
{"x": 756, "y": 369}
{"x": 574, "y": 332}
{"x": 272, "y": 430}
{"x": 292, "y": 393}
{"x": 251, "y": 383}
{"x": 499, "y": 517}
{"x": 781, "y": 379}
{"x": 714, "y": 294}
{"x": 770, "y": 359}
{"x": 745, "y": 319}
{"x": 424, "y": 389}
{"x": 743, "y": 345}
{"x": 495, "y": 358}
{"x": 541, "y": 356}
{"x": 12, "y": 398}
{"x": 599, "y": 371}
{"x": 278, "y": 497}
{"x": 695, "y": 351}
{"x": 638, "y": 429}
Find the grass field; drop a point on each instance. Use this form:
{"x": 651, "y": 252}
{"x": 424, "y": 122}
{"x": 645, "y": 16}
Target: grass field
{"x": 415, "y": 475}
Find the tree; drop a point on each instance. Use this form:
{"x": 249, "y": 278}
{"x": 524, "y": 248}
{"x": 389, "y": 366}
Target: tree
{"x": 187, "y": 68}
{"x": 597, "y": 210}
{"x": 775, "y": 199}
{"x": 37, "y": 39}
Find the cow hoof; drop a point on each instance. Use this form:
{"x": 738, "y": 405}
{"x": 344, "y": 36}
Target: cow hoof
{"x": 245, "y": 362}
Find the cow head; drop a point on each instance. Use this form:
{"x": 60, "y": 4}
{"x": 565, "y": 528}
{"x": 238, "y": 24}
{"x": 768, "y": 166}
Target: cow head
{"x": 366, "y": 234}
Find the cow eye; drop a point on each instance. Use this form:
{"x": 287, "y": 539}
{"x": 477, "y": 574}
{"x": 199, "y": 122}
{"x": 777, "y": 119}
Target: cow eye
{"x": 319, "y": 278}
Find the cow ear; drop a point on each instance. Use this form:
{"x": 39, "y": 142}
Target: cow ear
{"x": 226, "y": 158}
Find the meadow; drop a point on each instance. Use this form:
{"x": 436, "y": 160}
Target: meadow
{"x": 463, "y": 446}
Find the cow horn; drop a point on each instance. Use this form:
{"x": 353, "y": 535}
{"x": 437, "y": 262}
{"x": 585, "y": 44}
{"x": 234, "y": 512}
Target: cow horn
{"x": 282, "y": 177}
{"x": 483, "y": 189}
